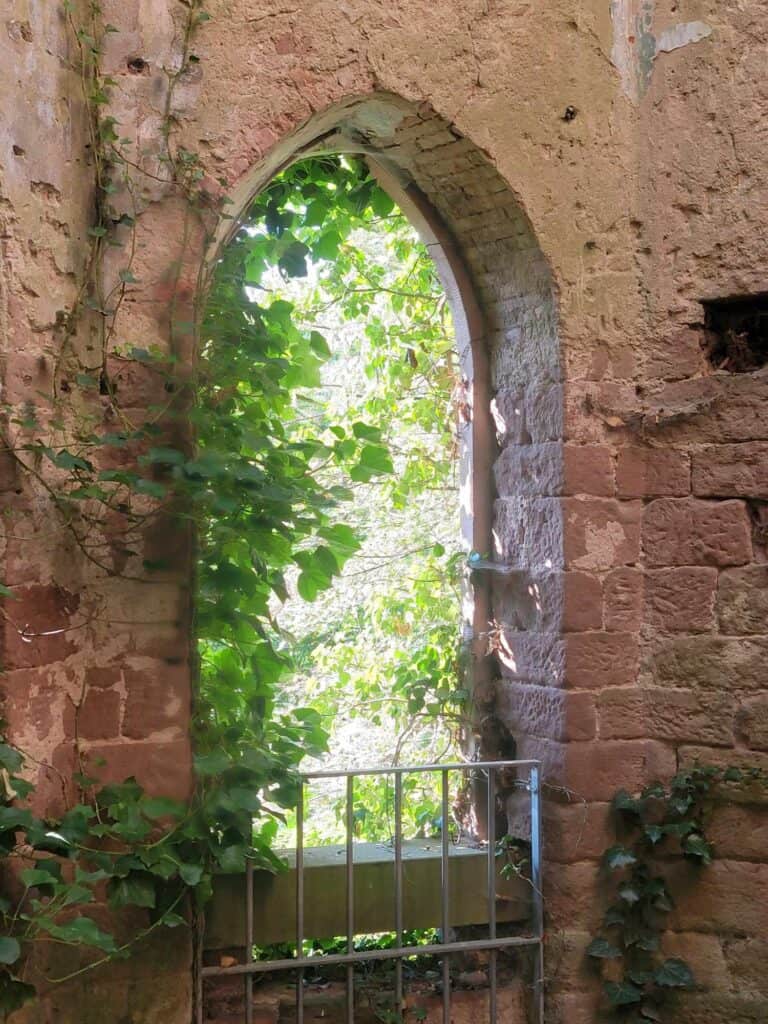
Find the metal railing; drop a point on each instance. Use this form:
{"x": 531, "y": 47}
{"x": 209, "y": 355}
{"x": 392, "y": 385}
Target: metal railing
{"x": 492, "y": 945}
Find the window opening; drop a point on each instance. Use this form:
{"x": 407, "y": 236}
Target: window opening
{"x": 329, "y": 596}
{"x": 737, "y": 333}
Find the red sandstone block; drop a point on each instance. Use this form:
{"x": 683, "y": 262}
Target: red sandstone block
{"x": 600, "y": 533}
{"x": 730, "y": 897}
{"x": 508, "y": 411}
{"x": 582, "y": 602}
{"x": 163, "y": 769}
{"x": 704, "y": 954}
{"x": 708, "y": 662}
{"x": 588, "y": 470}
{"x": 731, "y": 470}
{"x": 686, "y": 716}
{"x": 158, "y": 698}
{"x": 753, "y": 722}
{"x": 675, "y": 356}
{"x": 739, "y": 832}
{"x": 652, "y": 473}
{"x": 105, "y": 677}
{"x": 37, "y": 630}
{"x": 681, "y": 600}
{"x": 623, "y": 597}
{"x": 547, "y": 711}
{"x": 742, "y": 600}
{"x": 575, "y": 896}
{"x": 689, "y": 531}
{"x": 593, "y": 771}
{"x": 577, "y": 831}
{"x": 597, "y": 660}
{"x": 98, "y": 717}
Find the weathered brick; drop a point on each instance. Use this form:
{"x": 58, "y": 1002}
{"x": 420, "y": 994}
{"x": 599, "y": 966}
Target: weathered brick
{"x": 598, "y": 660}
{"x": 551, "y": 469}
{"x": 731, "y": 471}
{"x": 675, "y": 356}
{"x": 162, "y": 768}
{"x": 98, "y": 718}
{"x": 753, "y": 722}
{"x": 742, "y": 600}
{"x": 623, "y": 596}
{"x": 593, "y": 771}
{"x": 588, "y": 470}
{"x": 652, "y": 473}
{"x": 583, "y": 602}
{"x": 746, "y": 959}
{"x": 37, "y": 629}
{"x": 681, "y": 600}
{"x": 546, "y": 711}
{"x": 685, "y": 716}
{"x": 531, "y": 469}
{"x": 575, "y": 898}
{"x": 600, "y": 533}
{"x": 739, "y": 832}
{"x": 690, "y": 531}
{"x": 704, "y": 954}
{"x": 708, "y": 662}
{"x": 508, "y": 411}
{"x": 532, "y": 657}
{"x": 157, "y": 699}
{"x": 729, "y": 897}
{"x": 529, "y": 532}
{"x": 718, "y": 408}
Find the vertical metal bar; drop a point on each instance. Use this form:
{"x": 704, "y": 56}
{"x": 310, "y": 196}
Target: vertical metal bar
{"x": 445, "y": 896}
{"x": 300, "y": 901}
{"x": 350, "y": 897}
{"x": 538, "y": 898}
{"x": 399, "y": 890}
{"x": 492, "y": 957}
{"x": 249, "y": 941}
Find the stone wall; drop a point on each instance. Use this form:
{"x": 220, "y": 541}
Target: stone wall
{"x": 600, "y": 167}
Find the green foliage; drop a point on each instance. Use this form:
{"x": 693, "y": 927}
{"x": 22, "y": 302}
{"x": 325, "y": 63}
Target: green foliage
{"x": 660, "y": 821}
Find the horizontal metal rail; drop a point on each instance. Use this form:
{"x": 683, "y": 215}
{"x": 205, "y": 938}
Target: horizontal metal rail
{"x": 363, "y": 956}
{"x": 400, "y": 953}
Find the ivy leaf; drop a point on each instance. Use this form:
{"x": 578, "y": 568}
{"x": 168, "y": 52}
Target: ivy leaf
{"x": 618, "y": 857}
{"x": 213, "y": 763}
{"x": 136, "y": 890}
{"x": 695, "y": 845}
{"x": 622, "y": 993}
{"x": 162, "y": 807}
{"x": 10, "y": 951}
{"x": 624, "y": 801}
{"x": 602, "y": 949}
{"x": 629, "y": 893}
{"x": 319, "y": 346}
{"x": 655, "y": 833}
{"x": 84, "y": 931}
{"x": 293, "y": 261}
{"x": 127, "y": 277}
{"x": 674, "y": 973}
{"x": 190, "y": 873}
{"x": 382, "y": 204}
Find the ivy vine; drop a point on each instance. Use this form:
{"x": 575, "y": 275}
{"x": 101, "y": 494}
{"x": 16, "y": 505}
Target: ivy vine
{"x": 664, "y": 819}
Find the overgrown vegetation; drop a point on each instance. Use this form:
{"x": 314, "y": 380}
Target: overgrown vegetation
{"x": 661, "y": 821}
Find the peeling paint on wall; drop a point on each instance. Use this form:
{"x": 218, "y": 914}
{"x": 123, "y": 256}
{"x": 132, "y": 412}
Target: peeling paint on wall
{"x": 635, "y": 47}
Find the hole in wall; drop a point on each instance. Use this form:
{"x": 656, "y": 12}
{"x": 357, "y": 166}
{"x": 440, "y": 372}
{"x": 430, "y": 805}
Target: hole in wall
{"x": 18, "y": 151}
{"x": 138, "y": 66}
{"x": 736, "y": 333}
